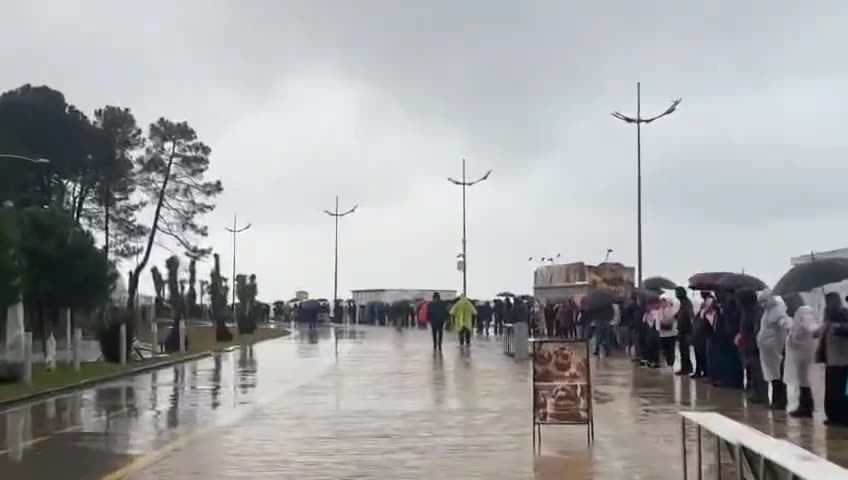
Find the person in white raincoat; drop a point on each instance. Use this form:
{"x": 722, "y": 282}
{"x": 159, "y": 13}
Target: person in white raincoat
{"x": 800, "y": 353}
{"x": 771, "y": 339}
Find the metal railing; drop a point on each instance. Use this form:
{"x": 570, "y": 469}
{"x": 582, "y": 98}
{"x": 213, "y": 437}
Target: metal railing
{"x": 754, "y": 454}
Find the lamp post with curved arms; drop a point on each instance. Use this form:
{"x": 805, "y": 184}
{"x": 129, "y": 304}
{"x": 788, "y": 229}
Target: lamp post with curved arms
{"x": 465, "y": 184}
{"x": 336, "y": 216}
{"x": 235, "y": 231}
{"x": 639, "y": 121}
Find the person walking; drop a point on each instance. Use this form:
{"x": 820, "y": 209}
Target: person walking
{"x": 437, "y": 315}
{"x": 800, "y": 353}
{"x": 685, "y": 315}
{"x": 771, "y": 340}
{"x": 463, "y": 313}
{"x": 603, "y": 319}
{"x": 833, "y": 351}
{"x": 484, "y": 317}
{"x": 499, "y": 316}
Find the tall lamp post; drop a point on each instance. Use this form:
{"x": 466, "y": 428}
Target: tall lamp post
{"x": 336, "y": 216}
{"x": 235, "y": 231}
{"x": 465, "y": 184}
{"x": 639, "y": 121}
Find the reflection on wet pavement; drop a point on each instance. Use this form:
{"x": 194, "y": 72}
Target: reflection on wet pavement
{"x": 386, "y": 408}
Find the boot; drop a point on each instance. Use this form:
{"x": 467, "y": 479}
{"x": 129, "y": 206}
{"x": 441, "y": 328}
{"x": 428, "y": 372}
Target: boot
{"x": 778, "y": 395}
{"x": 805, "y": 404}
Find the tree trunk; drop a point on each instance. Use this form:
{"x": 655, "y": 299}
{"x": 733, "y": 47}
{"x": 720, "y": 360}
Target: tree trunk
{"x": 133, "y": 286}
{"x": 106, "y": 224}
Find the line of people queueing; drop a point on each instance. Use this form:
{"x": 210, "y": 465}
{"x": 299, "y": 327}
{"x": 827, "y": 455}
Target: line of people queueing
{"x": 748, "y": 341}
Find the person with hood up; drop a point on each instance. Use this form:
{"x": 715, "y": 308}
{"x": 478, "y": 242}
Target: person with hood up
{"x": 771, "y": 341}
{"x": 800, "y": 353}
{"x": 463, "y": 313}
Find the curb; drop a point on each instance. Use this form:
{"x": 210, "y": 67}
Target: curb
{"x": 8, "y": 404}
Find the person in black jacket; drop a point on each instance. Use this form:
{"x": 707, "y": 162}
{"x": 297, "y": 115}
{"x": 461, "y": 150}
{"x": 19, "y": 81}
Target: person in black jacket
{"x": 684, "y": 330}
{"x": 437, "y": 315}
{"x": 746, "y": 341}
{"x": 484, "y": 317}
{"x": 701, "y": 332}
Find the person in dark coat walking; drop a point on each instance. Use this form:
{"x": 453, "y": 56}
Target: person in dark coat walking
{"x": 499, "y": 316}
{"x": 437, "y": 315}
{"x": 685, "y": 315}
{"x": 484, "y": 317}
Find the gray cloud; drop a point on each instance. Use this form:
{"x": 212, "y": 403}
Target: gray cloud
{"x": 377, "y": 101}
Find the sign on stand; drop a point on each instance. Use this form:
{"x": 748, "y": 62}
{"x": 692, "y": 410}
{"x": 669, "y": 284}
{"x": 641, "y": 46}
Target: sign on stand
{"x": 562, "y": 386}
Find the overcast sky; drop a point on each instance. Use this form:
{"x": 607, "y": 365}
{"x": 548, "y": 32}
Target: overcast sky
{"x": 378, "y": 101}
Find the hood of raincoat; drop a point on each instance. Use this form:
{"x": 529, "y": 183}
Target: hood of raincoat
{"x": 774, "y": 323}
{"x": 463, "y": 312}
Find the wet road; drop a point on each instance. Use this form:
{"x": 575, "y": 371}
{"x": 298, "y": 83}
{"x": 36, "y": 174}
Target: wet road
{"x": 386, "y": 408}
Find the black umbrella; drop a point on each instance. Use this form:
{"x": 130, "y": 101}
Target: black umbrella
{"x": 506, "y": 294}
{"x": 598, "y": 299}
{"x": 741, "y": 281}
{"x": 658, "y": 283}
{"x": 706, "y": 280}
{"x": 808, "y": 276}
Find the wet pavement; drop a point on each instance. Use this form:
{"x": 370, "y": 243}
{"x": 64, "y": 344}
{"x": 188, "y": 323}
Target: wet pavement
{"x": 383, "y": 407}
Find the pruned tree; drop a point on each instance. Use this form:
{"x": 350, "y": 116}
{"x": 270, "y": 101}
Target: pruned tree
{"x": 191, "y": 296}
{"x": 218, "y": 301}
{"x": 171, "y": 177}
{"x": 158, "y": 286}
{"x": 175, "y": 299}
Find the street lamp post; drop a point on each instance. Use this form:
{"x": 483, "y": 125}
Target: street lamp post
{"x": 465, "y": 184}
{"x": 235, "y": 231}
{"x": 336, "y": 216}
{"x": 639, "y": 121}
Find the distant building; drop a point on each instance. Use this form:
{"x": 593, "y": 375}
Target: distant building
{"x": 558, "y": 282}
{"x": 391, "y": 295}
{"x": 301, "y": 295}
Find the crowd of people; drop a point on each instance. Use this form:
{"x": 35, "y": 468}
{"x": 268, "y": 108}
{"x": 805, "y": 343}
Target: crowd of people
{"x": 749, "y": 341}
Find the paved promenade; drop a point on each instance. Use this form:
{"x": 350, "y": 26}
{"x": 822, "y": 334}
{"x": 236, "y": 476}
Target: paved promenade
{"x": 387, "y": 407}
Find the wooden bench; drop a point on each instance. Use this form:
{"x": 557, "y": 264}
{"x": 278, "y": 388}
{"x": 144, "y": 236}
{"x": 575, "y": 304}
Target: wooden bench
{"x": 745, "y": 442}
